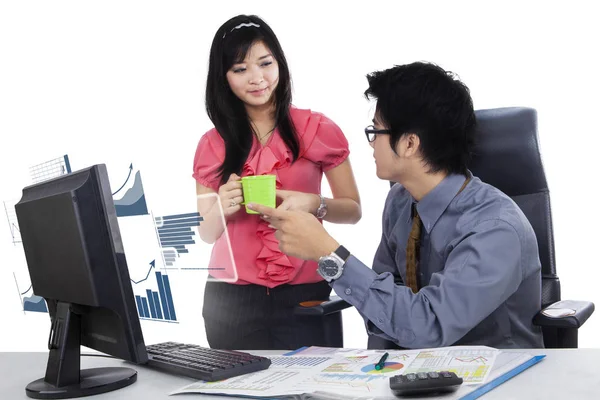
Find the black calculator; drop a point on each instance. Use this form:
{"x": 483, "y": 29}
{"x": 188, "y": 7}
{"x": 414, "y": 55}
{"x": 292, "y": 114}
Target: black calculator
{"x": 424, "y": 383}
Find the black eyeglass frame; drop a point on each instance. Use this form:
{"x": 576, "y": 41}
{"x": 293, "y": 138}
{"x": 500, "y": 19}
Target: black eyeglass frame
{"x": 371, "y": 133}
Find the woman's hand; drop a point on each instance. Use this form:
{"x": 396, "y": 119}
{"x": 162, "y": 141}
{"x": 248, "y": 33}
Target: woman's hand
{"x": 298, "y": 201}
{"x": 230, "y": 195}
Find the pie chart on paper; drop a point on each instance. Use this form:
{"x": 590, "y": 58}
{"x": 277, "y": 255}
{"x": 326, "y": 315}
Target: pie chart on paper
{"x": 388, "y": 367}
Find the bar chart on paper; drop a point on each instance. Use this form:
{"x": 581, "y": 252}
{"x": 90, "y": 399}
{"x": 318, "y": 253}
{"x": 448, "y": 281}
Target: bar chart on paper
{"x": 297, "y": 362}
{"x": 156, "y": 305}
{"x": 473, "y": 365}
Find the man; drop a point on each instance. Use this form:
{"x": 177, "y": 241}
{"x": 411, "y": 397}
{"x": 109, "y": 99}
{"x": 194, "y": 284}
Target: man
{"x": 458, "y": 261}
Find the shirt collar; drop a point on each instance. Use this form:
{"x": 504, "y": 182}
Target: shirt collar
{"x": 432, "y": 206}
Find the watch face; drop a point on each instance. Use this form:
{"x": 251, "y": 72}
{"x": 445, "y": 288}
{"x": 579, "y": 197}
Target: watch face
{"x": 329, "y": 267}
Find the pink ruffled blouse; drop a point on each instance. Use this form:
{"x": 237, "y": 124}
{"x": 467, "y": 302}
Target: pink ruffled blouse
{"x": 255, "y": 249}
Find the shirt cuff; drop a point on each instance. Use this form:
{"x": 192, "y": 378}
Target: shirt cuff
{"x": 354, "y": 283}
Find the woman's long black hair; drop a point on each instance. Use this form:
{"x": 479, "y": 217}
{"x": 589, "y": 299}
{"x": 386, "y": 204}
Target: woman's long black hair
{"x": 230, "y": 45}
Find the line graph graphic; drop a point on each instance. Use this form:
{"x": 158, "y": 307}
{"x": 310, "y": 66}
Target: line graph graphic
{"x": 126, "y": 180}
{"x": 401, "y": 357}
{"x": 472, "y": 360}
{"x": 345, "y": 382}
{"x": 152, "y": 265}
{"x": 158, "y": 304}
{"x": 13, "y": 223}
{"x": 27, "y": 291}
{"x": 356, "y": 359}
{"x": 133, "y": 201}
{"x": 50, "y": 169}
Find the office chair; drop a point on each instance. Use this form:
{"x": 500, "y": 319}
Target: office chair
{"x": 506, "y": 156}
{"x": 330, "y": 314}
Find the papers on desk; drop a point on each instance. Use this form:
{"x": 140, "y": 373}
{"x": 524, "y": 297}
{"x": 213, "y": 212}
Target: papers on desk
{"x": 350, "y": 372}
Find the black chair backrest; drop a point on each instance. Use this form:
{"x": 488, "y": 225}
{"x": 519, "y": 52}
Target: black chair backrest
{"x": 507, "y": 156}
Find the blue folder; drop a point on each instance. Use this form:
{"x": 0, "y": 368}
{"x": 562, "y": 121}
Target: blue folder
{"x": 502, "y": 378}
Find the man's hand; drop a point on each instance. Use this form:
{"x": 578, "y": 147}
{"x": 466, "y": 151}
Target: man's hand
{"x": 300, "y": 234}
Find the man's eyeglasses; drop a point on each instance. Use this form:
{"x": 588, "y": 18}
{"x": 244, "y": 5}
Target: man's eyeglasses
{"x": 372, "y": 132}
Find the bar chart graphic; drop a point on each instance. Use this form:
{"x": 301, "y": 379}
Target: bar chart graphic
{"x": 175, "y": 233}
{"x": 50, "y": 169}
{"x": 298, "y": 362}
{"x": 158, "y": 304}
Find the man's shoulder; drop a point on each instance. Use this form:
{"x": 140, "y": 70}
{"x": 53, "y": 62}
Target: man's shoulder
{"x": 484, "y": 204}
{"x": 493, "y": 215}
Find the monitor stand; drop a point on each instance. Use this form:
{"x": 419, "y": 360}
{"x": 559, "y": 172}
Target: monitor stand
{"x": 64, "y": 379}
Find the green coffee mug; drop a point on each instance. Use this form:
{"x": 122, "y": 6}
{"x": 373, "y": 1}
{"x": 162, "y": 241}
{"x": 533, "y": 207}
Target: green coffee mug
{"x": 259, "y": 189}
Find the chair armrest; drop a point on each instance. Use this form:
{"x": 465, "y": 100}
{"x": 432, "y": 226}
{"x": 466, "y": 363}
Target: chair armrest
{"x": 575, "y": 314}
{"x": 333, "y": 305}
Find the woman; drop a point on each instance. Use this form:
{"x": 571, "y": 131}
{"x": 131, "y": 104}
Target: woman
{"x": 257, "y": 132}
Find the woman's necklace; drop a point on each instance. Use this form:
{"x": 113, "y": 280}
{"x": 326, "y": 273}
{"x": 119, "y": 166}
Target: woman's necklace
{"x": 265, "y": 135}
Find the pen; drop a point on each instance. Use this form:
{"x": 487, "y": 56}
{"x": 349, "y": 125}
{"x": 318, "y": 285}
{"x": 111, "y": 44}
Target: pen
{"x": 381, "y": 362}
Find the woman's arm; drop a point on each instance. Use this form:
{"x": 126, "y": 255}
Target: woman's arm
{"x": 344, "y": 208}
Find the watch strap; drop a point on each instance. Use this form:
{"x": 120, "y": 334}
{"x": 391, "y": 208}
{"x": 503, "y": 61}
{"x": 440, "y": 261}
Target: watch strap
{"x": 342, "y": 253}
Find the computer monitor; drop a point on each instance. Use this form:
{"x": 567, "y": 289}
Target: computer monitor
{"x": 77, "y": 264}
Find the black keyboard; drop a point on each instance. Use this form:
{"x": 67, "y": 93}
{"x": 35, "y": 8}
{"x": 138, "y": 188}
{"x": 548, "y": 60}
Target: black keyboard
{"x": 203, "y": 363}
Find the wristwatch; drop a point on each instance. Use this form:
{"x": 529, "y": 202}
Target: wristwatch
{"x": 322, "y": 210}
{"x": 331, "y": 266}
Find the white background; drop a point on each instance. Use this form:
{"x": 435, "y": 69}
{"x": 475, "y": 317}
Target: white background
{"x": 123, "y": 81}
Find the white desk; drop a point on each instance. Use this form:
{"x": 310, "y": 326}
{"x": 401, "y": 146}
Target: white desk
{"x": 563, "y": 374}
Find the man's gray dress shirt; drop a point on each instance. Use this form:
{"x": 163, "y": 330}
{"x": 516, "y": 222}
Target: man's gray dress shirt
{"x": 479, "y": 272}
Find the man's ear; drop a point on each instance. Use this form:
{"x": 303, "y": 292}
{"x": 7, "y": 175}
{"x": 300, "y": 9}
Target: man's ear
{"x": 412, "y": 144}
